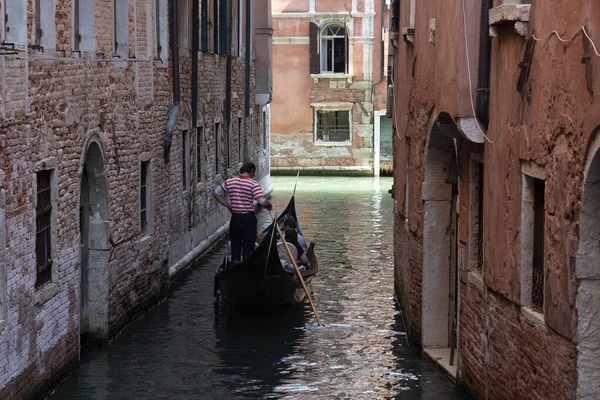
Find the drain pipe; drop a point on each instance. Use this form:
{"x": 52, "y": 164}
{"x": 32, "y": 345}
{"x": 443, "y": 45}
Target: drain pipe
{"x": 381, "y": 66}
{"x": 195, "y": 49}
{"x": 168, "y": 137}
{"x": 485, "y": 53}
{"x": 248, "y": 56}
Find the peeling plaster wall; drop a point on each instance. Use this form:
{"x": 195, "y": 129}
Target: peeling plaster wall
{"x": 551, "y": 124}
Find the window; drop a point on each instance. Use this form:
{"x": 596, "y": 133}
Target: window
{"x": 532, "y": 240}
{"x": 333, "y": 126}
{"x": 145, "y": 196}
{"x": 183, "y": 20}
{"x": 537, "y": 292}
{"x": 15, "y": 21}
{"x": 121, "y": 28}
{"x": 217, "y": 147}
{"x": 240, "y": 35}
{"x": 223, "y": 26}
{"x": 84, "y": 35}
{"x": 264, "y": 129}
{"x": 160, "y": 21}
{"x": 328, "y": 49}
{"x": 204, "y": 22}
{"x": 185, "y": 143}
{"x": 44, "y": 33}
{"x": 227, "y": 146}
{"x": 240, "y": 138}
{"x": 476, "y": 227}
{"x": 215, "y": 23}
{"x": 333, "y": 49}
{"x": 38, "y": 23}
{"x": 480, "y": 217}
{"x": 43, "y": 223}
{"x": 199, "y": 138}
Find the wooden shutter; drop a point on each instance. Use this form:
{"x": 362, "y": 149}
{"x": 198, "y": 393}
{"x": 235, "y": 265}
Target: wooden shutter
{"x": 347, "y": 48}
{"x": 525, "y": 64}
{"x": 315, "y": 60}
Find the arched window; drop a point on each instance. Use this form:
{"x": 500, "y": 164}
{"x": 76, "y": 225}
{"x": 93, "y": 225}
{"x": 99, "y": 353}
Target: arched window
{"x": 333, "y": 49}
{"x": 328, "y": 49}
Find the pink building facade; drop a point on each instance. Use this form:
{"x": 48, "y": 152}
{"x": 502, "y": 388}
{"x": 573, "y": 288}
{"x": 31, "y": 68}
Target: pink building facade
{"x": 329, "y": 85}
{"x": 495, "y": 185}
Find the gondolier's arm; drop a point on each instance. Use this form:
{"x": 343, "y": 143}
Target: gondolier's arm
{"x": 223, "y": 200}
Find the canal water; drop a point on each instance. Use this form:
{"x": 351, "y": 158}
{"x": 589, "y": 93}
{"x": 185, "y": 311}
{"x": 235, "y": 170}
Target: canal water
{"x": 190, "y": 347}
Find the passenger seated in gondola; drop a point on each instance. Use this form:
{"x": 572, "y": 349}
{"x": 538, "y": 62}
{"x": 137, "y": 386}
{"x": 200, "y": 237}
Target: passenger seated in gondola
{"x": 291, "y": 224}
{"x": 291, "y": 237}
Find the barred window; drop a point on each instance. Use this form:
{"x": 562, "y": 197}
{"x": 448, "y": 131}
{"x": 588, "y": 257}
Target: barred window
{"x": 199, "y": 138}
{"x": 43, "y": 238}
{"x": 217, "y": 148}
{"x": 185, "y": 146}
{"x": 333, "y": 126}
{"x": 537, "y": 291}
{"x": 144, "y": 196}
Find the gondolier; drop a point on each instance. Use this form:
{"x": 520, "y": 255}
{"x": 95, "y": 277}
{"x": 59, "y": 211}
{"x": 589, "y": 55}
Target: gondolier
{"x": 242, "y": 191}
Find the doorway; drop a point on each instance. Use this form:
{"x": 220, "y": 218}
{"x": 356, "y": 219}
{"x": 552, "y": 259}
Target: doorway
{"x": 94, "y": 246}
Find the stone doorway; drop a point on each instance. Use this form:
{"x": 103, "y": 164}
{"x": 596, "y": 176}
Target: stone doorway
{"x": 440, "y": 239}
{"x": 94, "y": 229}
{"x": 588, "y": 275}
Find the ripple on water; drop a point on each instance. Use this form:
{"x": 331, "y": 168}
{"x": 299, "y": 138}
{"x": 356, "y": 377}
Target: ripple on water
{"x": 188, "y": 348}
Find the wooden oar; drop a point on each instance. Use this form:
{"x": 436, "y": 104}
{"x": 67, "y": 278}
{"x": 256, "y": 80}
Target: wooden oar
{"x": 300, "y": 278}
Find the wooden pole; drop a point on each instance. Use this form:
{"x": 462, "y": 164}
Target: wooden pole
{"x": 300, "y": 278}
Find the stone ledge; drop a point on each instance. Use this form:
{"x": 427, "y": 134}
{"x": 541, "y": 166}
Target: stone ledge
{"x": 515, "y": 14}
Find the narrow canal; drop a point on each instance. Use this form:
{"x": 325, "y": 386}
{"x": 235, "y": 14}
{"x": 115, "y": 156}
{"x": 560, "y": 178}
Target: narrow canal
{"x": 190, "y": 348}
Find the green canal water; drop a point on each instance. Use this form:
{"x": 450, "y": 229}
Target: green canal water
{"x": 190, "y": 347}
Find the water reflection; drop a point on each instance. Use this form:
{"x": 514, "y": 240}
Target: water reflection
{"x": 188, "y": 348}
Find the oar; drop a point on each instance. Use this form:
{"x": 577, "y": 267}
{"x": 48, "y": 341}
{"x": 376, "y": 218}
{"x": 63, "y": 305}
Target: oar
{"x": 287, "y": 249}
{"x": 295, "y": 184}
{"x": 270, "y": 245}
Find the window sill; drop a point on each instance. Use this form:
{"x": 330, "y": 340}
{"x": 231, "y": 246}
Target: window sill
{"x": 331, "y": 75}
{"x": 200, "y": 186}
{"x": 45, "y": 293}
{"x": 333, "y": 144}
{"x": 514, "y": 14}
{"x": 408, "y": 34}
{"x": 145, "y": 237}
{"x": 530, "y": 312}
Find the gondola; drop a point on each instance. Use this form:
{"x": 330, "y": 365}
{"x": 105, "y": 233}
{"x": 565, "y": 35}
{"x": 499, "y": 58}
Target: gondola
{"x": 257, "y": 284}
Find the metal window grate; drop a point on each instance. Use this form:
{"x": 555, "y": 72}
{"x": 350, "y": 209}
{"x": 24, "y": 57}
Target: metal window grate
{"x": 537, "y": 290}
{"x": 157, "y": 27}
{"x": 240, "y": 135}
{"x": 38, "y": 23}
{"x": 184, "y": 157}
{"x": 333, "y": 126}
{"x": 144, "y": 197}
{"x": 43, "y": 239}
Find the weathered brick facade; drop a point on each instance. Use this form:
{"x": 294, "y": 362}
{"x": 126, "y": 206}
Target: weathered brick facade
{"x": 90, "y": 116}
{"x": 302, "y": 88}
{"x": 520, "y": 334}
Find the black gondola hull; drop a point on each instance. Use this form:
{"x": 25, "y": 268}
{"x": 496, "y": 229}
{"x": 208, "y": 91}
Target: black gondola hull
{"x": 260, "y": 282}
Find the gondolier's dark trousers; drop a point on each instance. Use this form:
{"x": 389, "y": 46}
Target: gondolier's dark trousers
{"x": 242, "y": 232}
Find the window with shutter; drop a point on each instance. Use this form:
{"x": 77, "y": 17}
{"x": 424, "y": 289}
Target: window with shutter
{"x": 223, "y": 26}
{"x": 204, "y": 26}
{"x": 215, "y": 24}
{"x": 334, "y": 49}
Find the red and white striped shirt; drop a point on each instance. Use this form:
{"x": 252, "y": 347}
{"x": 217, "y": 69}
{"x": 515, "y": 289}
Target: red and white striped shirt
{"x": 242, "y": 191}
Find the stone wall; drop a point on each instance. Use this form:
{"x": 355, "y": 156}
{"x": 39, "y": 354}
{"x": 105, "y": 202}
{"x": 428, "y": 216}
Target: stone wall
{"x": 54, "y": 105}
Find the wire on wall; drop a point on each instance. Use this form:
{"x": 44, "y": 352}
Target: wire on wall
{"x": 579, "y": 32}
{"x": 469, "y": 72}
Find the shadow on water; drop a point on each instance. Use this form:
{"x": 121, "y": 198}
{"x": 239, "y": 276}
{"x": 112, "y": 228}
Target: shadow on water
{"x": 188, "y": 347}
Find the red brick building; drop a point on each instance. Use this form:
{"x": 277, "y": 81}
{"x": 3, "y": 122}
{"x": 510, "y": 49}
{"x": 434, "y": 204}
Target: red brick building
{"x": 328, "y": 111}
{"x": 495, "y": 184}
{"x": 117, "y": 120}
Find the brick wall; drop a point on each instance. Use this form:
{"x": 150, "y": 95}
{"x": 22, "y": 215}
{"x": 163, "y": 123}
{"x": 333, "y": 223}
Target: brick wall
{"x": 53, "y": 105}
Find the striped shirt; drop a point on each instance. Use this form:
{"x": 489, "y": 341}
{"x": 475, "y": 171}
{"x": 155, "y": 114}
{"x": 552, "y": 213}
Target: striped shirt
{"x": 242, "y": 191}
